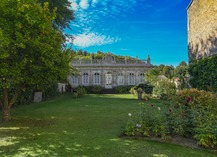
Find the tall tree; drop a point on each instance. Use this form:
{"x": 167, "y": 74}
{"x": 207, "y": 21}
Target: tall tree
{"x": 181, "y": 71}
{"x": 151, "y": 76}
{"x": 168, "y": 71}
{"x": 31, "y": 51}
{"x": 64, "y": 13}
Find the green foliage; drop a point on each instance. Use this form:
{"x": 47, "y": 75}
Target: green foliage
{"x": 79, "y": 92}
{"x": 181, "y": 71}
{"x": 95, "y": 89}
{"x": 51, "y": 91}
{"x": 130, "y": 127}
{"x": 150, "y": 121}
{"x": 204, "y": 74}
{"x": 147, "y": 88}
{"x": 194, "y": 113}
{"x": 165, "y": 89}
{"x": 82, "y": 127}
{"x": 122, "y": 89}
{"x": 153, "y": 76}
{"x": 133, "y": 91}
{"x": 33, "y": 56}
{"x": 146, "y": 97}
{"x": 64, "y": 14}
{"x": 25, "y": 97}
{"x": 142, "y": 91}
{"x": 83, "y": 54}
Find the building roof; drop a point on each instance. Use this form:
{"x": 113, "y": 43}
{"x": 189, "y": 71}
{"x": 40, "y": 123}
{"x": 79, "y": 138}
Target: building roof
{"x": 190, "y": 4}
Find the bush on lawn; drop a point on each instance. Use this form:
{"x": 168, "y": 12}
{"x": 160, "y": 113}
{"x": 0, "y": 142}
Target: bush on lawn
{"x": 79, "y": 92}
{"x": 165, "y": 89}
{"x": 196, "y": 111}
{"x": 192, "y": 114}
{"x": 95, "y": 89}
{"x": 122, "y": 89}
{"x": 148, "y": 89}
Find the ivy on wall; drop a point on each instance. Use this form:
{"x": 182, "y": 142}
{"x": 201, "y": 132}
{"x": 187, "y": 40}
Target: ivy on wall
{"x": 204, "y": 74}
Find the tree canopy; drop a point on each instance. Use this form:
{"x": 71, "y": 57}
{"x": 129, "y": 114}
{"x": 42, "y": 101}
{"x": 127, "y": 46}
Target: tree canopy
{"x": 63, "y": 12}
{"x": 31, "y": 50}
{"x": 170, "y": 72}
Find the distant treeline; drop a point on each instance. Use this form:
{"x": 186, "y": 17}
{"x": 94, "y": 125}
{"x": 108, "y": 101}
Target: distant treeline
{"x": 83, "y": 54}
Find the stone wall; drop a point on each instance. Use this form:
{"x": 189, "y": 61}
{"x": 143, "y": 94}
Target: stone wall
{"x": 202, "y": 29}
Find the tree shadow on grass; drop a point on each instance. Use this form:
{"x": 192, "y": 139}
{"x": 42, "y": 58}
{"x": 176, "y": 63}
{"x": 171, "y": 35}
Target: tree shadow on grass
{"x": 27, "y": 138}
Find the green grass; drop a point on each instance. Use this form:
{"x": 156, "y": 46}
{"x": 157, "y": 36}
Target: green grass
{"x": 86, "y": 127}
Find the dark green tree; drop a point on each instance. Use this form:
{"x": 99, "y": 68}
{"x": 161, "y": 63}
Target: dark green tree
{"x": 181, "y": 71}
{"x": 64, "y": 14}
{"x": 31, "y": 52}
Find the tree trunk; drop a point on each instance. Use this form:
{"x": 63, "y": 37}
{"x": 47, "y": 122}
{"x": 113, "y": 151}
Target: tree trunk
{"x": 5, "y": 106}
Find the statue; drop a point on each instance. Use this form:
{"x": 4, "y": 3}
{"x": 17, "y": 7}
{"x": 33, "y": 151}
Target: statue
{"x": 148, "y": 60}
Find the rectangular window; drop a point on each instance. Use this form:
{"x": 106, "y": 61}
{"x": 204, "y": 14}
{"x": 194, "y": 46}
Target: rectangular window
{"x": 85, "y": 78}
{"x": 96, "y": 78}
{"x": 74, "y": 80}
{"x": 120, "y": 80}
{"x": 131, "y": 79}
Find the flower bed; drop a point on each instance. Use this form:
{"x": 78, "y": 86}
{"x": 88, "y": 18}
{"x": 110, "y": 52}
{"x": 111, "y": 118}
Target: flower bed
{"x": 192, "y": 114}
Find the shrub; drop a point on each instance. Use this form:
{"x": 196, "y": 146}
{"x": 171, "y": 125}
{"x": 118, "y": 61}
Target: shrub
{"x": 146, "y": 97}
{"x": 129, "y": 130}
{"x": 192, "y": 113}
{"x": 79, "y": 92}
{"x": 51, "y": 91}
{"x": 165, "y": 89}
{"x": 133, "y": 91}
{"x": 196, "y": 113}
{"x": 96, "y": 89}
{"x": 150, "y": 122}
{"x": 148, "y": 89}
{"x": 122, "y": 89}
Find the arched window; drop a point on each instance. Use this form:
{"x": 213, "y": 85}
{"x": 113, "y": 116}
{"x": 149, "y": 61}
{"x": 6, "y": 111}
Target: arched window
{"x": 141, "y": 77}
{"x": 131, "y": 79}
{"x": 85, "y": 78}
{"x": 96, "y": 78}
{"x": 120, "y": 79}
{"x": 74, "y": 79}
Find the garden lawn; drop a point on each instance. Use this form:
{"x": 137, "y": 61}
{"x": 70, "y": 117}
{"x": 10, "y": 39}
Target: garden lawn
{"x": 85, "y": 127}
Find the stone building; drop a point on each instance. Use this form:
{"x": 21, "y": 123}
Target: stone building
{"x": 109, "y": 72}
{"x": 202, "y": 29}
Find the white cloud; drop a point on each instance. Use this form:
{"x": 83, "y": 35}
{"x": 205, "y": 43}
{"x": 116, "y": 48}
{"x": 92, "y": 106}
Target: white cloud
{"x": 84, "y": 4}
{"x": 91, "y": 15}
{"x": 94, "y": 2}
{"x": 74, "y": 5}
{"x": 93, "y": 39}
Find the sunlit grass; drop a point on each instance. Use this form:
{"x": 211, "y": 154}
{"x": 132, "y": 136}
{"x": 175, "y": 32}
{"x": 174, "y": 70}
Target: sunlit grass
{"x": 87, "y": 127}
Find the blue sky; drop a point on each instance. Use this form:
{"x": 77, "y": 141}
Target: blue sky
{"x": 132, "y": 28}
